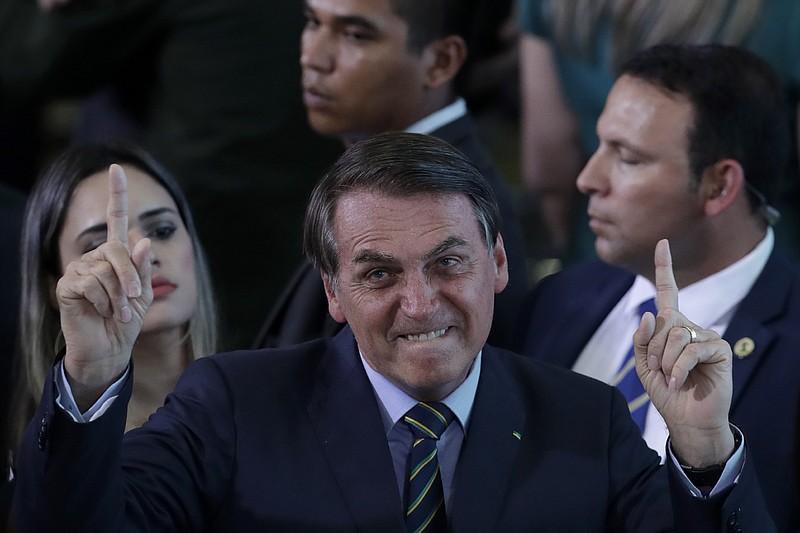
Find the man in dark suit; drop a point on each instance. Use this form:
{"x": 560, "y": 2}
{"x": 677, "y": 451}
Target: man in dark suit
{"x": 320, "y": 436}
{"x": 693, "y": 142}
{"x": 390, "y": 65}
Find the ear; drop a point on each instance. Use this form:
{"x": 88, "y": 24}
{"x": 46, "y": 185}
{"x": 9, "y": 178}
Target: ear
{"x": 501, "y": 265}
{"x": 722, "y": 185}
{"x": 444, "y": 58}
{"x": 334, "y": 308}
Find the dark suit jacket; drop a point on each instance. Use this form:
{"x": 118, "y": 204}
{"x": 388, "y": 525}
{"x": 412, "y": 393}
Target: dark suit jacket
{"x": 565, "y": 310}
{"x": 301, "y": 312}
{"x": 292, "y": 440}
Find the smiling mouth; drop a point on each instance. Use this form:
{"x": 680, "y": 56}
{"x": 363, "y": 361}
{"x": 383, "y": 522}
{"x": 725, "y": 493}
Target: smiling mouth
{"x": 426, "y": 336}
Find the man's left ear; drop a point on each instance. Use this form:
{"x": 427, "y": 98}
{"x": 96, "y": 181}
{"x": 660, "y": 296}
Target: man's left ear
{"x": 446, "y": 57}
{"x": 722, "y": 184}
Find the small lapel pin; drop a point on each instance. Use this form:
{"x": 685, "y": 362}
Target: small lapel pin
{"x": 517, "y": 434}
{"x": 744, "y": 347}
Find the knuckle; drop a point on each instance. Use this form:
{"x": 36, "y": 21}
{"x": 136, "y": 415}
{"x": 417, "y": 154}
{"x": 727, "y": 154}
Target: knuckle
{"x": 669, "y": 315}
{"x": 102, "y": 269}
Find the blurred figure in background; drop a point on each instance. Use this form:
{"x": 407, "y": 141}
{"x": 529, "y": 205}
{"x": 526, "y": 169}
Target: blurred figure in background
{"x": 391, "y": 65}
{"x": 569, "y": 54}
{"x": 692, "y": 149}
{"x": 215, "y": 87}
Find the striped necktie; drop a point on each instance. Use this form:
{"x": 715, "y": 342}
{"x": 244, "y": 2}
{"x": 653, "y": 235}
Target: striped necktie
{"x": 628, "y": 382}
{"x": 425, "y": 496}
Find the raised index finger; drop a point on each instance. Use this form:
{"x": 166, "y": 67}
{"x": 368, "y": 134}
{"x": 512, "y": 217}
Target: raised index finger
{"x": 117, "y": 213}
{"x": 666, "y": 288}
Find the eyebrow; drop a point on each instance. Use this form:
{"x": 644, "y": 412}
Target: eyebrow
{"x": 371, "y": 256}
{"x": 347, "y": 20}
{"x": 447, "y": 244}
{"x": 103, "y": 227}
{"x": 355, "y": 20}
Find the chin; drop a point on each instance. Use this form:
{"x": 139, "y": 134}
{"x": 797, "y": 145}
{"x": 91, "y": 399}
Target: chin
{"x": 605, "y": 250}
{"x": 322, "y": 126}
{"x": 163, "y": 322}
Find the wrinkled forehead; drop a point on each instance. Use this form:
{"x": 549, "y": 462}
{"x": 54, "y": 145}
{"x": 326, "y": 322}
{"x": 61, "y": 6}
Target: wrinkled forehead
{"x": 366, "y": 211}
{"x": 364, "y": 197}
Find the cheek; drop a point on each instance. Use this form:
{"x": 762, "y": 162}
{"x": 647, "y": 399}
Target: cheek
{"x": 187, "y": 258}
{"x": 185, "y": 269}
{"x": 373, "y": 83}
{"x": 187, "y": 265}
{"x": 366, "y": 308}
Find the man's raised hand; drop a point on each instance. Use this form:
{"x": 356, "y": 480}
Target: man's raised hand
{"x": 688, "y": 380}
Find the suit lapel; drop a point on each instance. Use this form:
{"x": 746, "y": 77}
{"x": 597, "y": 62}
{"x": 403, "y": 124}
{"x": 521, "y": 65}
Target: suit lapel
{"x": 559, "y": 337}
{"x": 346, "y": 419}
{"x": 455, "y": 132}
{"x": 490, "y": 449}
{"x": 747, "y": 333}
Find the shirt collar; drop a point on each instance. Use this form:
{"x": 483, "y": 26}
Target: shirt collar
{"x": 394, "y": 403}
{"x": 439, "y": 118}
{"x": 707, "y": 300}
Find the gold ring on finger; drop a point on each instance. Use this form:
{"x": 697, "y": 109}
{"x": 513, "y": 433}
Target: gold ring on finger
{"x": 692, "y": 334}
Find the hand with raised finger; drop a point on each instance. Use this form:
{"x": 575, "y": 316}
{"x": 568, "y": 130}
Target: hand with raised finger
{"x": 686, "y": 371}
{"x": 102, "y": 299}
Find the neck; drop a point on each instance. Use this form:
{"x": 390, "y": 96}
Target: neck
{"x": 434, "y": 101}
{"x": 714, "y": 251}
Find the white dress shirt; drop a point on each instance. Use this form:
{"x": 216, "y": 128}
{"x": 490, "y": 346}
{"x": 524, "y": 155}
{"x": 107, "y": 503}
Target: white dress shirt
{"x": 710, "y": 303}
{"x": 439, "y": 118}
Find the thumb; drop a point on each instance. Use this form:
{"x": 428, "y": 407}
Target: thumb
{"x": 641, "y": 343}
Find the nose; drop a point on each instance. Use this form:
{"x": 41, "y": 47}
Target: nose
{"x": 419, "y": 298}
{"x": 593, "y": 178}
{"x": 316, "y": 49}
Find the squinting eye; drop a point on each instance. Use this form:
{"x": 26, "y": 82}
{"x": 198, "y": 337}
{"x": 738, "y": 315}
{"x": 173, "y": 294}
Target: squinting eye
{"x": 628, "y": 158}
{"x": 93, "y": 245}
{"x": 162, "y": 233}
{"x": 357, "y": 34}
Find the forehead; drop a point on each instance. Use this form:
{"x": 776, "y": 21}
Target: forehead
{"x": 90, "y": 198}
{"x": 637, "y": 109}
{"x": 376, "y": 221}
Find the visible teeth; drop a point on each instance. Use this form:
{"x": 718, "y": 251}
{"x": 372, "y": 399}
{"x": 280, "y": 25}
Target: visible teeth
{"x": 427, "y": 336}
